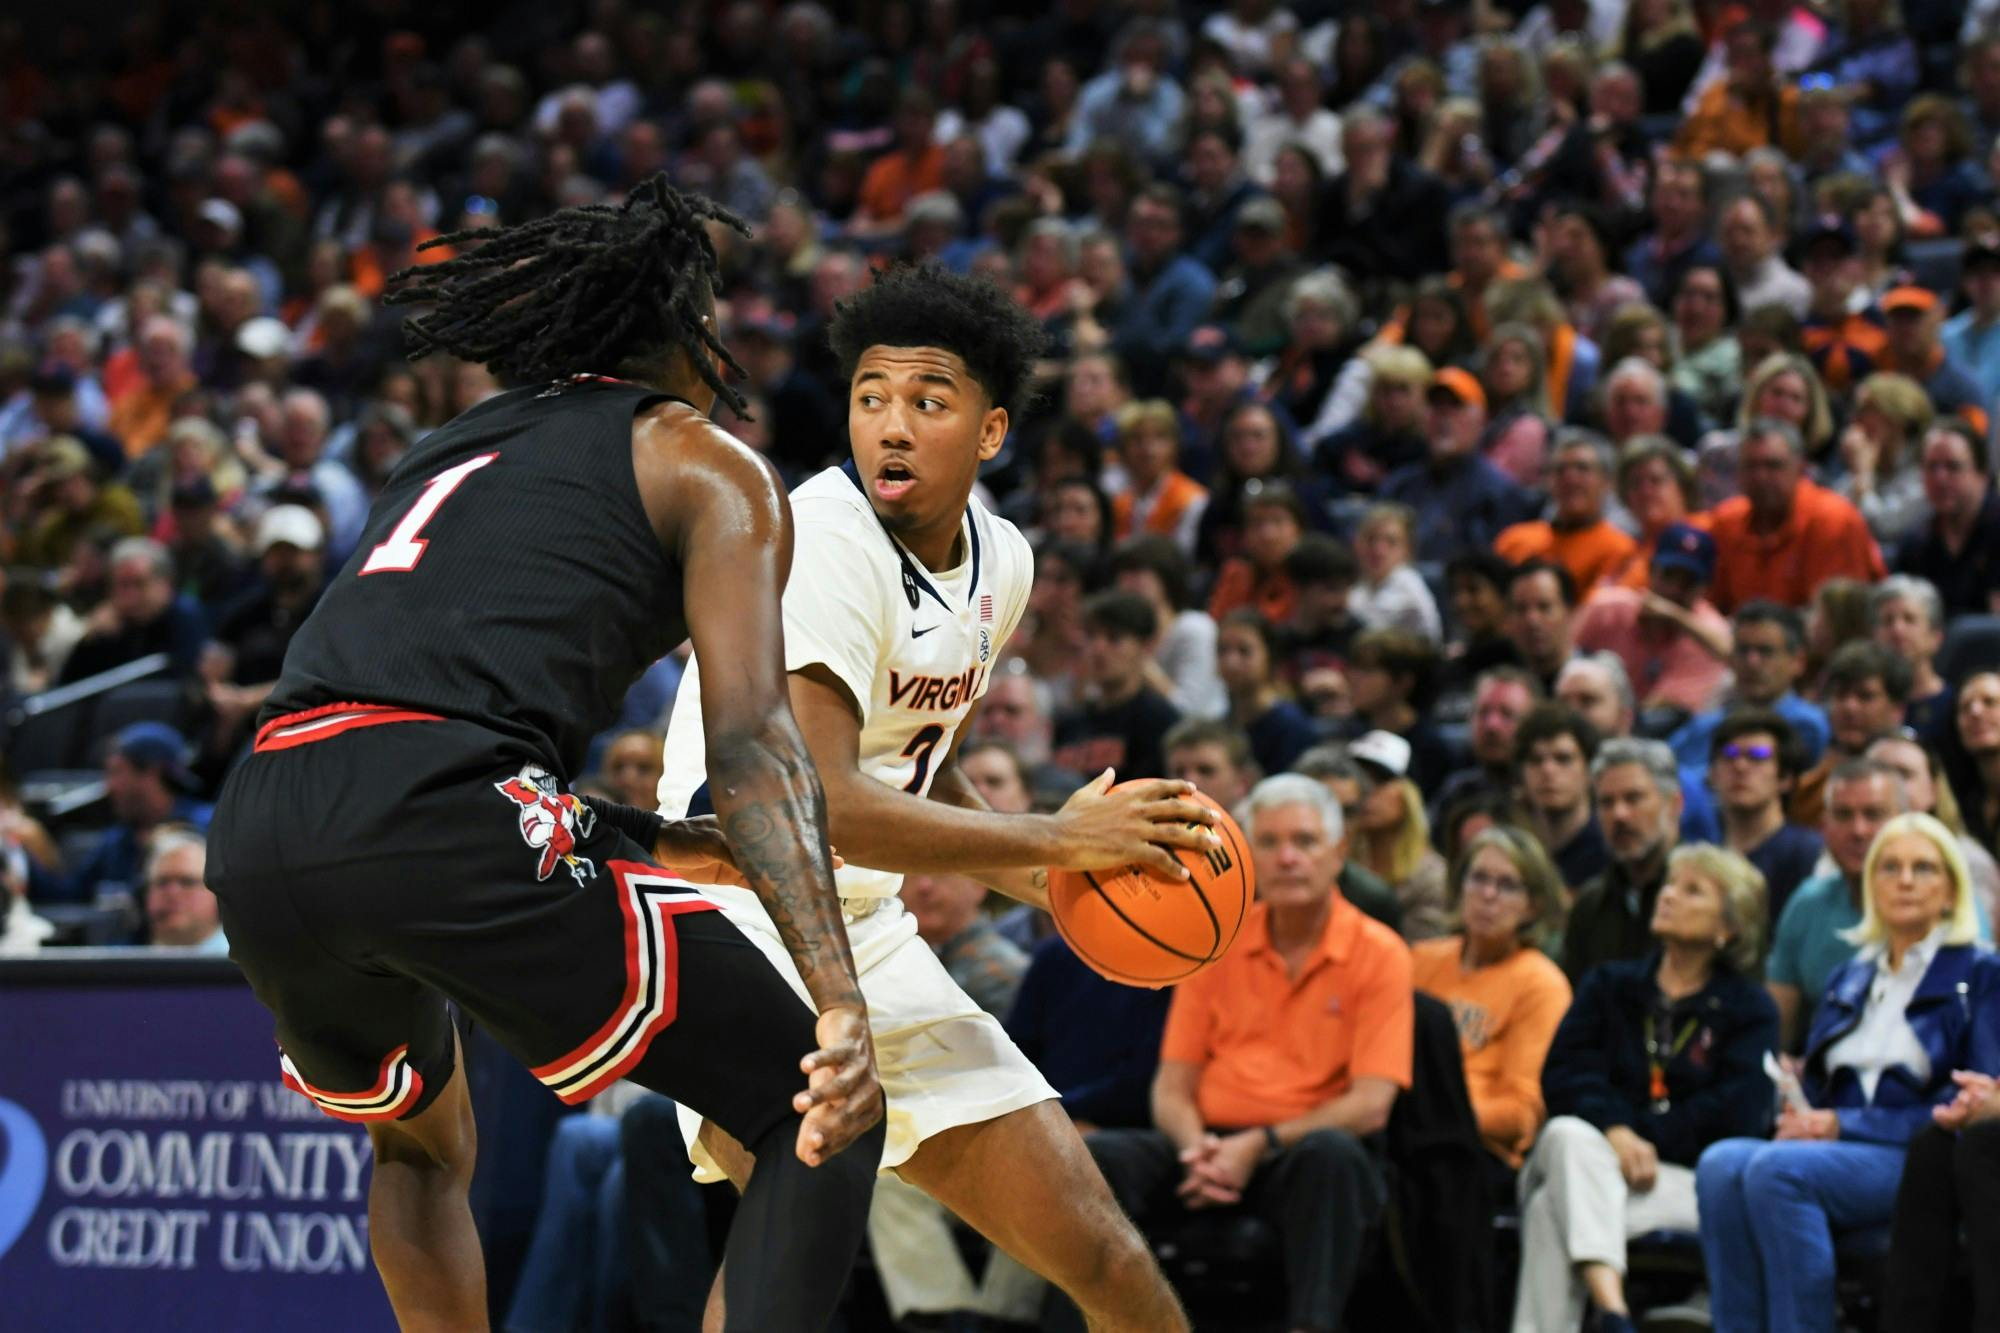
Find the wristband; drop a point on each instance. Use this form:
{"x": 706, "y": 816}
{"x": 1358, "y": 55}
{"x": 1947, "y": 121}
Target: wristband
{"x": 641, "y": 826}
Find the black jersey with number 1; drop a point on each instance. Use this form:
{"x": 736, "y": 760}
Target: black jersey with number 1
{"x": 508, "y": 576}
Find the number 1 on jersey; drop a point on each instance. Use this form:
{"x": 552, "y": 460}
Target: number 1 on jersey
{"x": 399, "y": 554}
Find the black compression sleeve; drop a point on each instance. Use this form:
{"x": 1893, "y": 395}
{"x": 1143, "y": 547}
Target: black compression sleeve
{"x": 641, "y": 826}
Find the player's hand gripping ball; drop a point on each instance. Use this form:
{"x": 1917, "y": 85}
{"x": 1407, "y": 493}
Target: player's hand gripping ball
{"x": 1141, "y": 928}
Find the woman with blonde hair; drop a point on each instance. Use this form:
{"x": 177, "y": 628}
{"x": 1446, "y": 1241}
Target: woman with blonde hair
{"x": 1504, "y": 991}
{"x": 1390, "y": 431}
{"x": 1391, "y": 835}
{"x": 1657, "y": 1058}
{"x": 1896, "y": 1020}
{"x": 1879, "y": 450}
{"x": 1455, "y": 151}
{"x": 1784, "y": 385}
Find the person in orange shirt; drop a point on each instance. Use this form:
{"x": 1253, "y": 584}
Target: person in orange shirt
{"x": 914, "y": 166}
{"x": 1274, "y": 518}
{"x": 141, "y": 414}
{"x": 1578, "y": 537}
{"x": 1784, "y": 536}
{"x": 1158, "y": 497}
{"x": 1281, "y": 1061}
{"x": 1750, "y": 108}
{"x": 1505, "y": 994}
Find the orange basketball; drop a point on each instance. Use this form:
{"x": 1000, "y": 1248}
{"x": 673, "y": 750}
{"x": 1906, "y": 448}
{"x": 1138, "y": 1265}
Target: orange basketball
{"x": 1139, "y": 927}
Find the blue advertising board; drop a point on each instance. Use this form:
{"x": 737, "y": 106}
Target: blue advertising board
{"x": 154, "y": 1172}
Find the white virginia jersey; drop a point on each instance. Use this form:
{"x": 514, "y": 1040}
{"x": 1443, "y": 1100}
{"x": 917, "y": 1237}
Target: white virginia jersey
{"x": 915, "y": 648}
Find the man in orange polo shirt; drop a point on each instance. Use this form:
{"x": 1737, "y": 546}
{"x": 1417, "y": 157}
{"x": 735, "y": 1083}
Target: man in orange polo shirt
{"x": 912, "y": 167}
{"x": 1784, "y": 536}
{"x": 1578, "y": 537}
{"x": 1281, "y": 1062}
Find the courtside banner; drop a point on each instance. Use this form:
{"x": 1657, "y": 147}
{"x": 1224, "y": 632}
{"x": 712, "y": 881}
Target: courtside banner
{"x": 155, "y": 1173}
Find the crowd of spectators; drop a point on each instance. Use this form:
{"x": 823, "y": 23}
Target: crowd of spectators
{"x": 1535, "y": 459}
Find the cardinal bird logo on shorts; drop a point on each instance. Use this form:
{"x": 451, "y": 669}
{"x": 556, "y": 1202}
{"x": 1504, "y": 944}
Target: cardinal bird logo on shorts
{"x": 552, "y": 821}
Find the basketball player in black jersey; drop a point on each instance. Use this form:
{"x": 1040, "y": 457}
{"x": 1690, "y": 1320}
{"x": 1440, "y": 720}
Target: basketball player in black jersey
{"x": 404, "y": 831}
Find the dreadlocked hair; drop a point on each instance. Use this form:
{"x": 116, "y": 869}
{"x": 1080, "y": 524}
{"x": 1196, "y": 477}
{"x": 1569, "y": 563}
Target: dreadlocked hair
{"x": 587, "y": 289}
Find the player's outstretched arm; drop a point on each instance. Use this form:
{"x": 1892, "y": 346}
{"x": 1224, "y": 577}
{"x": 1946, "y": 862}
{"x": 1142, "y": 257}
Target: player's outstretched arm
{"x": 884, "y": 828}
{"x": 719, "y": 510}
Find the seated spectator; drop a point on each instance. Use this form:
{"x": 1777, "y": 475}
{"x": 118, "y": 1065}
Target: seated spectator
{"x": 1459, "y": 497}
{"x": 1158, "y": 498}
{"x": 181, "y": 911}
{"x": 142, "y": 409}
{"x": 1246, "y": 660}
{"x": 1258, "y": 454}
{"x": 1244, "y": 1112}
{"x": 1912, "y": 317}
{"x": 1674, "y": 645}
{"x": 1582, "y": 263}
{"x": 1383, "y": 216}
{"x": 1879, "y": 1058}
{"x": 253, "y": 631}
{"x": 1051, "y": 637}
{"x": 142, "y": 615}
{"x": 1751, "y": 234}
{"x": 1766, "y": 657}
{"x": 1958, "y": 550}
{"x": 1975, "y": 771}
{"x": 1512, "y": 367}
{"x": 1969, "y": 337}
{"x": 147, "y": 783}
{"x": 1541, "y": 611}
{"x": 1330, "y": 766}
{"x": 1951, "y": 1179}
{"x": 1810, "y": 938}
{"x": 1171, "y": 292}
{"x": 1678, "y": 241}
{"x": 1476, "y": 586}
{"x": 1075, "y": 511}
{"x": 305, "y": 468}
{"x": 1578, "y": 536}
{"x": 1752, "y": 765}
{"x": 1391, "y": 594}
{"x": 1636, "y": 790}
{"x": 1274, "y": 519}
{"x": 1391, "y": 835}
{"x": 1182, "y": 665}
{"x": 38, "y": 630}
{"x": 1501, "y": 697}
{"x": 1595, "y": 687}
{"x": 1017, "y": 712}
{"x": 1323, "y": 625}
{"x": 1867, "y": 690}
{"x": 1657, "y": 1058}
{"x": 1705, "y": 311}
{"x": 913, "y": 166}
{"x": 1844, "y": 344}
{"x": 1389, "y": 433}
{"x": 1392, "y": 676}
{"x": 1505, "y": 994}
{"x": 1935, "y": 178}
{"x": 1909, "y": 620}
{"x": 1782, "y": 384}
{"x": 1102, "y": 1069}
{"x": 1883, "y": 476}
{"x": 1750, "y": 107}
{"x": 632, "y": 765}
{"x": 1318, "y": 319}
{"x": 1785, "y": 535}
{"x": 1123, "y": 719}
{"x": 1135, "y": 101}
{"x": 1920, "y": 768}
{"x": 67, "y": 501}
{"x": 1554, "y": 748}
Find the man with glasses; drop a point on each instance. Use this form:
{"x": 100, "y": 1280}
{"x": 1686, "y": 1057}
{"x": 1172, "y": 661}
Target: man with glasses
{"x": 1753, "y": 762}
{"x": 1768, "y": 655}
{"x": 1811, "y": 938}
{"x": 1958, "y": 551}
{"x": 1577, "y": 535}
{"x": 181, "y": 911}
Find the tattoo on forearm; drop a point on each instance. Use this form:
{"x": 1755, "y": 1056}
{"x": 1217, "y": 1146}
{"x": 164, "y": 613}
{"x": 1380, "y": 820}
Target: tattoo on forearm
{"x": 778, "y": 845}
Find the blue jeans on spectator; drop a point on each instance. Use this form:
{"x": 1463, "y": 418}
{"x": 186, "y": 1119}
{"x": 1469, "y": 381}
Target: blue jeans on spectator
{"x": 575, "y": 1269}
{"x": 1769, "y": 1214}
{"x": 665, "y": 1221}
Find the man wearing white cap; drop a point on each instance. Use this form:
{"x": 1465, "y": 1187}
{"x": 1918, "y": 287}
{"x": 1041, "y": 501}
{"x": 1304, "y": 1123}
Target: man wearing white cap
{"x": 253, "y": 631}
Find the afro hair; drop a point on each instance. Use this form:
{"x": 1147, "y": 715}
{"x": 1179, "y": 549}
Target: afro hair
{"x": 923, "y": 305}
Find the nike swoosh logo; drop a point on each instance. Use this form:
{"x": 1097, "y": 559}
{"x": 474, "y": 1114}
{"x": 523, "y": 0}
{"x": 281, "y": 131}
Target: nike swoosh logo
{"x": 919, "y": 633}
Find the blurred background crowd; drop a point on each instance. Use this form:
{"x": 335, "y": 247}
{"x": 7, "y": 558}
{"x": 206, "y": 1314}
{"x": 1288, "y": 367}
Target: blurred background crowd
{"x": 1561, "y": 430}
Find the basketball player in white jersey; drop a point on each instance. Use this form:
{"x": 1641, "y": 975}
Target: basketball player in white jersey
{"x": 903, "y": 593}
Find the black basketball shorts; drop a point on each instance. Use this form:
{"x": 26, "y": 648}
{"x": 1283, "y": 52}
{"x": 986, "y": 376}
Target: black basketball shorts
{"x": 371, "y": 862}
